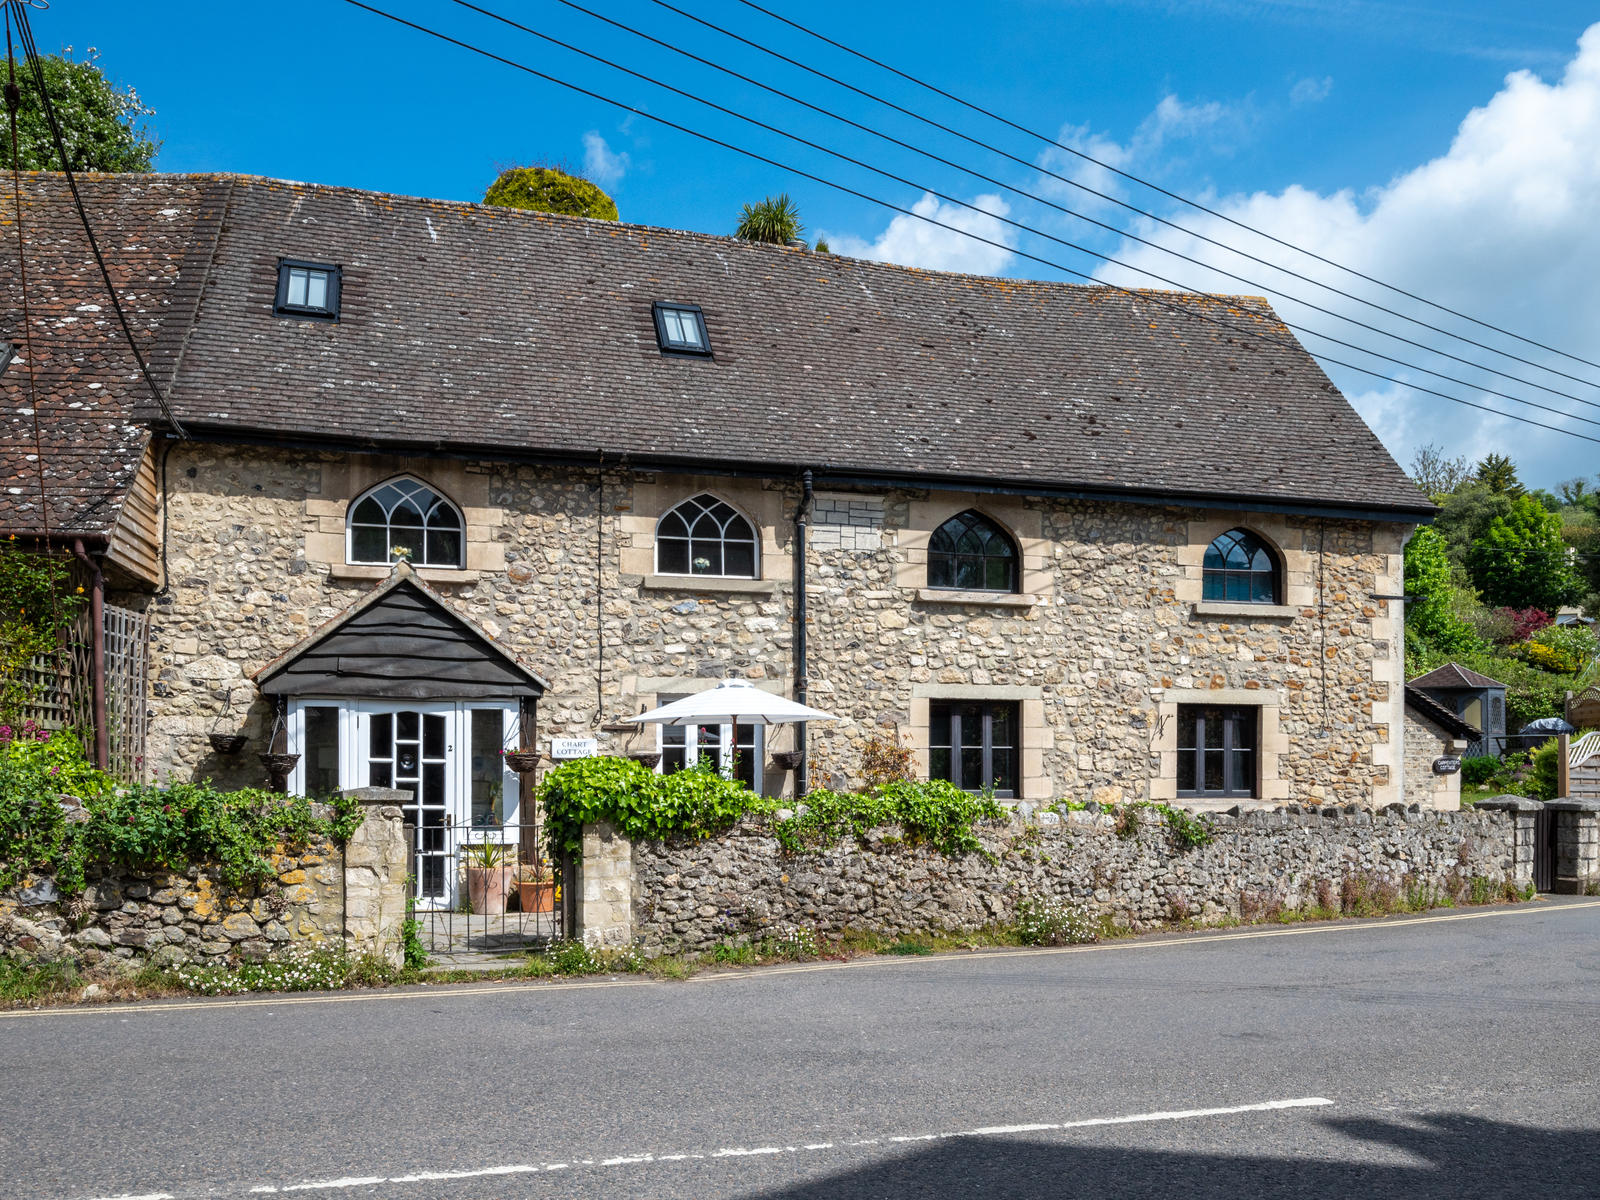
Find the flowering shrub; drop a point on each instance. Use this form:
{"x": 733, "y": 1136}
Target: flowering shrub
{"x": 1053, "y": 923}
{"x": 1525, "y": 622}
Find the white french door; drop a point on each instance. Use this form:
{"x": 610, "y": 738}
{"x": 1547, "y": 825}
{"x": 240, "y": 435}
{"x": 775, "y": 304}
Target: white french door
{"x": 446, "y": 755}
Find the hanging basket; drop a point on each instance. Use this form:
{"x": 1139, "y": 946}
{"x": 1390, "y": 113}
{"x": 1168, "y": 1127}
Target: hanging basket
{"x": 523, "y": 762}
{"x": 648, "y": 759}
{"x": 227, "y": 743}
{"x": 278, "y": 767}
{"x": 789, "y": 759}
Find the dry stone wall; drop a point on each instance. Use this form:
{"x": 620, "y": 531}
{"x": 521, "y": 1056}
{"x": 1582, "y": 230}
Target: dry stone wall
{"x": 693, "y": 895}
{"x": 1106, "y": 642}
{"x": 324, "y": 898}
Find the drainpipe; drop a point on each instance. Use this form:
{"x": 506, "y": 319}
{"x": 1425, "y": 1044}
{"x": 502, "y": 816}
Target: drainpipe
{"x": 97, "y": 643}
{"x": 802, "y": 773}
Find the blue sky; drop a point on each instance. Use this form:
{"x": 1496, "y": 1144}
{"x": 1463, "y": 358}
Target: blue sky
{"x": 1447, "y": 147}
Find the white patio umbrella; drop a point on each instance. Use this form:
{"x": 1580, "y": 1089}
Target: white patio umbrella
{"x": 732, "y": 702}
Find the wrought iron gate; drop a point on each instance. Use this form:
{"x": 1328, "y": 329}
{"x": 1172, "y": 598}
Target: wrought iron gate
{"x": 1544, "y": 850}
{"x": 489, "y": 890}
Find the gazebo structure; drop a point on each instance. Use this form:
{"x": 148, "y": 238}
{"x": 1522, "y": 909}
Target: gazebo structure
{"x": 1476, "y": 699}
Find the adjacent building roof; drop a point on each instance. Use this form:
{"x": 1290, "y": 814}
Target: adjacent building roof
{"x": 490, "y": 331}
{"x": 1425, "y": 705}
{"x": 1453, "y": 675}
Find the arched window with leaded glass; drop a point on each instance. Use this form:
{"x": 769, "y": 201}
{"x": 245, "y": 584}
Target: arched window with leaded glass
{"x": 1240, "y": 568}
{"x": 969, "y": 552}
{"x": 705, "y": 536}
{"x": 405, "y": 518}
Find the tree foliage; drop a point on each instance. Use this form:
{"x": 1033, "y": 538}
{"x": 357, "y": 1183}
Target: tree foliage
{"x": 102, "y": 125}
{"x": 550, "y": 189}
{"x": 1499, "y": 474}
{"x": 1521, "y": 560}
{"x": 38, "y": 603}
{"x": 1432, "y": 611}
{"x": 1436, "y": 474}
{"x": 775, "y": 220}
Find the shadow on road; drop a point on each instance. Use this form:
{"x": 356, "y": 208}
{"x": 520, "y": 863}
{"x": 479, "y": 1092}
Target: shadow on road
{"x": 1461, "y": 1157}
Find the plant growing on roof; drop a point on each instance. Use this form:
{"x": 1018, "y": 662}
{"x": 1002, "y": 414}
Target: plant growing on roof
{"x": 550, "y": 189}
{"x": 775, "y": 220}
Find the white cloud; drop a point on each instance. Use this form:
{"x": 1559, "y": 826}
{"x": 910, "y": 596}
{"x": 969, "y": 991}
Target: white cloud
{"x": 912, "y": 242}
{"x": 601, "y": 163}
{"x": 1501, "y": 226}
{"x": 1310, "y": 91}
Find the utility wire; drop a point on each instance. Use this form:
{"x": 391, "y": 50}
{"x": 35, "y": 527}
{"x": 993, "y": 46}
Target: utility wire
{"x": 1153, "y": 298}
{"x": 1157, "y": 188}
{"x": 25, "y": 35}
{"x": 1019, "y": 191}
{"x": 1022, "y": 226}
{"x": 13, "y": 97}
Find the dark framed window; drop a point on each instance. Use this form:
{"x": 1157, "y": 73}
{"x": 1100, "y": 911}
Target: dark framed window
{"x": 969, "y": 552}
{"x": 308, "y": 289}
{"x": 1240, "y": 568}
{"x": 705, "y": 536}
{"x": 405, "y": 515}
{"x": 1218, "y": 751}
{"x": 682, "y": 746}
{"x": 681, "y": 328}
{"x": 975, "y": 746}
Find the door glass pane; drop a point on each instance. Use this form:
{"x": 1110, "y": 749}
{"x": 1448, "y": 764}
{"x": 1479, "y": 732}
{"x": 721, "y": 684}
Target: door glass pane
{"x": 433, "y": 735}
{"x": 381, "y": 774}
{"x": 1214, "y": 775}
{"x": 407, "y": 726}
{"x": 488, "y": 769}
{"x": 322, "y": 751}
{"x": 433, "y": 783}
{"x": 380, "y": 740}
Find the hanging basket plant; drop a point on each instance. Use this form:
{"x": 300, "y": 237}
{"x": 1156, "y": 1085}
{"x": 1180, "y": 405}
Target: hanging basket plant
{"x": 788, "y": 760}
{"x": 523, "y": 762}
{"x": 227, "y": 743}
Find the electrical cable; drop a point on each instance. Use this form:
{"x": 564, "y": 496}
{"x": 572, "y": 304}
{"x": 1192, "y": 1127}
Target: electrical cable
{"x": 1157, "y": 188}
{"x": 1034, "y": 196}
{"x": 1178, "y": 284}
{"x": 25, "y": 35}
{"x": 13, "y": 98}
{"x": 1150, "y": 297}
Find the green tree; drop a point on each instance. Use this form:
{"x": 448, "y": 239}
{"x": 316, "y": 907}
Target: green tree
{"x": 1521, "y": 560}
{"x": 101, "y": 124}
{"x": 1466, "y": 517}
{"x": 550, "y": 189}
{"x": 1499, "y": 474}
{"x": 1431, "y": 611}
{"x": 775, "y": 220}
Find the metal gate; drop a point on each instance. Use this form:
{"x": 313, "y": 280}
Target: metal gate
{"x": 500, "y": 892}
{"x": 1544, "y": 851}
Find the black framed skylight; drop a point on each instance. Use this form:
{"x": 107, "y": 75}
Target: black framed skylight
{"x": 307, "y": 289}
{"x": 681, "y": 329}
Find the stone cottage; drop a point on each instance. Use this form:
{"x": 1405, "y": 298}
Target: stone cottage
{"x": 1063, "y": 541}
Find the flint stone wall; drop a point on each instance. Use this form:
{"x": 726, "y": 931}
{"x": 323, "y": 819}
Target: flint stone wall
{"x": 322, "y": 898}
{"x": 692, "y": 895}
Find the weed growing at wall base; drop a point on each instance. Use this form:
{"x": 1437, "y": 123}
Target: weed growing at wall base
{"x": 1054, "y": 923}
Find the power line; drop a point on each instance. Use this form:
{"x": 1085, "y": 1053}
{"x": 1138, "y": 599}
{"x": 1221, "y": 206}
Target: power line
{"x": 1194, "y": 204}
{"x": 1019, "y": 191}
{"x": 1150, "y": 297}
{"x": 759, "y": 124}
{"x": 25, "y": 35}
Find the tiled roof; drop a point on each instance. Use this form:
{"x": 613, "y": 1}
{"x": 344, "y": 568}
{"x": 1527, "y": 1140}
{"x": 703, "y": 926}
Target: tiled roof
{"x": 86, "y": 381}
{"x": 490, "y": 331}
{"x": 1454, "y": 675}
{"x": 1441, "y": 716}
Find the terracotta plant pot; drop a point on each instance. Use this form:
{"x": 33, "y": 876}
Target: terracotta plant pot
{"x": 227, "y": 743}
{"x": 536, "y": 895}
{"x": 523, "y": 762}
{"x": 487, "y": 888}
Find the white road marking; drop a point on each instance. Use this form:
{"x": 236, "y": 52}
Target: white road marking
{"x": 145, "y": 1196}
{"x": 622, "y": 1160}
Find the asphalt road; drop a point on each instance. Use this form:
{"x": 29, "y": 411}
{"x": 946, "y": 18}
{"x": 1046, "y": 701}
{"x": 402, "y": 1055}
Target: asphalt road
{"x": 1455, "y": 1057}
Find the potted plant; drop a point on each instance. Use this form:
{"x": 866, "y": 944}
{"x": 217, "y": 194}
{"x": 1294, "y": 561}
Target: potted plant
{"x": 489, "y": 870}
{"x": 536, "y": 887}
{"x": 522, "y": 761}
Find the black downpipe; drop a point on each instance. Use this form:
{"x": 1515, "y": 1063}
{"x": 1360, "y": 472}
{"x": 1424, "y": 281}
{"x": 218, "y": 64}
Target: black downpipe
{"x": 802, "y": 773}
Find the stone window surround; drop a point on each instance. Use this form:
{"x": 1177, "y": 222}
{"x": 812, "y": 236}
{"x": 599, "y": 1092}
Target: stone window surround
{"x": 1025, "y": 526}
{"x": 766, "y": 509}
{"x": 1036, "y": 737}
{"x": 346, "y": 479}
{"x": 1299, "y": 568}
{"x": 1272, "y": 743}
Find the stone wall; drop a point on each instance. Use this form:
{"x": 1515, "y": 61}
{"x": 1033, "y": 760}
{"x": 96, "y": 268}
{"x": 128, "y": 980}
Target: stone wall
{"x": 322, "y": 898}
{"x": 692, "y": 895}
{"x": 1108, "y": 636}
{"x": 1425, "y": 742}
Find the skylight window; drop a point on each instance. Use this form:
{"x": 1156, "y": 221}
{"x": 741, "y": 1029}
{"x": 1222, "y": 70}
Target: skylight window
{"x": 681, "y": 329}
{"x": 308, "y": 289}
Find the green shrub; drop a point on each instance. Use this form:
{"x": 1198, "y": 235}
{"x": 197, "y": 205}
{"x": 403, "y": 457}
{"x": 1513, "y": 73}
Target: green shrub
{"x": 935, "y": 812}
{"x": 1478, "y": 769}
{"x": 1543, "y": 779}
{"x": 547, "y": 189}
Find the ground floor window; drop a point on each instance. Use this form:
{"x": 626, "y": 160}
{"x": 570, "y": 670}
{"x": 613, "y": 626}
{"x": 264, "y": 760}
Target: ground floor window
{"x": 1217, "y": 751}
{"x": 974, "y": 745}
{"x": 737, "y": 756}
{"x": 446, "y": 755}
